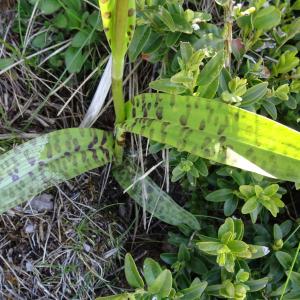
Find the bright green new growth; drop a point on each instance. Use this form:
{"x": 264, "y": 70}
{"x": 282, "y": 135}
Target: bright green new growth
{"x": 217, "y": 131}
{"x": 50, "y": 159}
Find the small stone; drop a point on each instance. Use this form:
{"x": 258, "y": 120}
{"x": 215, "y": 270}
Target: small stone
{"x": 29, "y": 266}
{"x": 86, "y": 247}
{"x": 29, "y": 228}
{"x": 42, "y": 203}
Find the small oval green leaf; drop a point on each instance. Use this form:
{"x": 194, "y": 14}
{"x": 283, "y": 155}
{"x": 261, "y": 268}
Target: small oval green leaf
{"x": 267, "y": 18}
{"x": 132, "y": 274}
{"x": 162, "y": 285}
{"x": 167, "y": 86}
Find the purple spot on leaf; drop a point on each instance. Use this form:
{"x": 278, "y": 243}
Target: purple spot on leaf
{"x": 31, "y": 161}
{"x": 15, "y": 177}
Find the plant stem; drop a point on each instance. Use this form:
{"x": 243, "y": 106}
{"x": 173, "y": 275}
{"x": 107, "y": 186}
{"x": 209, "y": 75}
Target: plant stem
{"x": 228, "y": 33}
{"x": 118, "y": 97}
{"x": 119, "y": 47}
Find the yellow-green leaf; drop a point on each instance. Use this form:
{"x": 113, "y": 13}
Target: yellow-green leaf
{"x": 162, "y": 285}
{"x": 118, "y": 25}
{"x": 217, "y": 131}
{"x": 266, "y": 18}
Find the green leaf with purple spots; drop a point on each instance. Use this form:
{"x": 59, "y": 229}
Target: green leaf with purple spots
{"x": 119, "y": 23}
{"x": 217, "y": 131}
{"x": 50, "y": 159}
{"x": 158, "y": 203}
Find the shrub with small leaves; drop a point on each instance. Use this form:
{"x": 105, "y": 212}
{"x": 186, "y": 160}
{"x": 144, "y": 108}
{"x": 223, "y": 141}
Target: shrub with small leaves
{"x": 229, "y": 247}
{"x": 257, "y": 197}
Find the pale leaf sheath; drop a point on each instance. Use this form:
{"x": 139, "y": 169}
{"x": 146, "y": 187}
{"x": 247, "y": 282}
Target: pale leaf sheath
{"x": 217, "y": 131}
{"x": 50, "y": 159}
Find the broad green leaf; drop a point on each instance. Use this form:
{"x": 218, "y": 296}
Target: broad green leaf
{"x": 247, "y": 191}
{"x": 284, "y": 259}
{"x": 179, "y": 17}
{"x": 270, "y": 108}
{"x": 186, "y": 51}
{"x": 237, "y": 246}
{"x": 238, "y": 229}
{"x": 166, "y": 18}
{"x": 182, "y": 77}
{"x": 82, "y": 37}
{"x": 169, "y": 258}
{"x": 183, "y": 253}
{"x": 296, "y": 5}
{"x": 217, "y": 131}
{"x": 271, "y": 189}
{"x": 230, "y": 206}
{"x": 40, "y": 41}
{"x": 228, "y": 226}
{"x": 244, "y": 22}
{"x": 295, "y": 278}
{"x": 209, "y": 91}
{"x": 60, "y": 21}
{"x": 167, "y": 86}
{"x": 140, "y": 38}
{"x": 172, "y": 38}
{"x": 256, "y": 285}
{"x": 50, "y": 159}
{"x": 49, "y": 7}
{"x": 277, "y": 233}
{"x": 74, "y": 18}
{"x": 293, "y": 295}
{"x": 160, "y": 204}
{"x": 286, "y": 227}
{"x": 162, "y": 285}
{"x": 255, "y": 93}
{"x": 5, "y": 62}
{"x": 266, "y": 18}
{"x": 210, "y": 247}
{"x": 201, "y": 167}
{"x": 211, "y": 70}
{"x": 220, "y": 195}
{"x": 250, "y": 205}
{"x": 151, "y": 270}
{"x": 132, "y": 274}
{"x": 287, "y": 61}
{"x": 193, "y": 292}
{"x": 95, "y": 21}
{"x": 282, "y": 92}
{"x": 198, "y": 266}
{"x": 74, "y": 4}
{"x": 74, "y": 60}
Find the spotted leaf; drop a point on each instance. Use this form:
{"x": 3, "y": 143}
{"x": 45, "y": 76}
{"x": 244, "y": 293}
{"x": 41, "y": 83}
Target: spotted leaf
{"x": 50, "y": 159}
{"x": 118, "y": 24}
{"x": 217, "y": 131}
{"x": 158, "y": 203}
